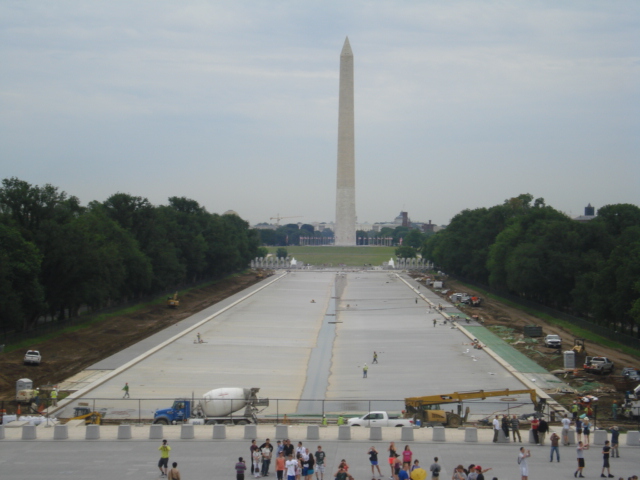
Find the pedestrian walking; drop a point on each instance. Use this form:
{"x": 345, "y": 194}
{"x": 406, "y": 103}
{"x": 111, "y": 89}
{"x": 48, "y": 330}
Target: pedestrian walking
{"x": 435, "y": 469}
{"x": 280, "y": 460}
{"x": 543, "y": 428}
{"x": 407, "y": 455}
{"x": 615, "y": 437}
{"x": 342, "y": 474}
{"x": 578, "y": 429}
{"x": 240, "y": 467}
{"x": 555, "y": 441}
{"x": 365, "y": 369}
{"x": 311, "y": 462}
{"x": 458, "y": 473}
{"x": 266, "y": 449}
{"x": 606, "y": 451}
{"x": 435, "y": 322}
{"x": 256, "y": 457}
{"x": 580, "y": 454}
{"x": 126, "y": 390}
{"x": 291, "y": 465}
{"x": 515, "y": 428}
{"x": 320, "y": 463}
{"x": 404, "y": 472}
{"x": 522, "y": 461}
{"x": 574, "y": 410}
{"x": 174, "y": 473}
{"x": 535, "y": 423}
{"x": 505, "y": 426}
{"x": 392, "y": 457}
{"x": 163, "y": 463}
{"x": 417, "y": 472}
{"x": 496, "y": 428}
{"x": 373, "y": 459}
{"x": 375, "y": 357}
{"x": 586, "y": 430}
{"x": 566, "y": 424}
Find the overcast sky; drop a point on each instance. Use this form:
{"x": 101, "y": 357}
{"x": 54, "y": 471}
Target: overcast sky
{"x": 458, "y": 104}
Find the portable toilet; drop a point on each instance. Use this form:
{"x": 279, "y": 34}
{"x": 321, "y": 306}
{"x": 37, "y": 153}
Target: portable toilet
{"x": 569, "y": 359}
{"x": 24, "y": 384}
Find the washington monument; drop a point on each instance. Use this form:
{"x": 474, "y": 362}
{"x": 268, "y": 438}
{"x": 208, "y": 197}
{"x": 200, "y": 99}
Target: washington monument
{"x": 345, "y": 233}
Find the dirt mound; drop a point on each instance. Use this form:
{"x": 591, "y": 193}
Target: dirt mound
{"x": 72, "y": 352}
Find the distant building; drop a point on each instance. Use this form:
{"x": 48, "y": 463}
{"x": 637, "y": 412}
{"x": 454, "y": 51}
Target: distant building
{"x": 589, "y": 214}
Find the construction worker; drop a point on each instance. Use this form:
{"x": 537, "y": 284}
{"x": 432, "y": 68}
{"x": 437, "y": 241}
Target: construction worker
{"x": 54, "y": 397}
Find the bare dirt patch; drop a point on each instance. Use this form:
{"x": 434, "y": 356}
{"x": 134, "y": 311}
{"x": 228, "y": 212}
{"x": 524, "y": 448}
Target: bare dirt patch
{"x": 509, "y": 322}
{"x": 71, "y": 353}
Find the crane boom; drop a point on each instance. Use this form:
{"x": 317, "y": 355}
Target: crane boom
{"x": 457, "y": 397}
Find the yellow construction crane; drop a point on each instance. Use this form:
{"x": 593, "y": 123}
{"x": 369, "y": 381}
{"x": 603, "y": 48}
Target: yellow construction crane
{"x": 427, "y": 408}
{"x": 277, "y": 218}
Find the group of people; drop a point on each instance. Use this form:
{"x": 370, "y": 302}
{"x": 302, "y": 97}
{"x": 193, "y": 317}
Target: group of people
{"x": 298, "y": 462}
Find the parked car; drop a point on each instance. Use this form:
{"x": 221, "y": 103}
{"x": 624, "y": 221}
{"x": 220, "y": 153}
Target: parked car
{"x": 553, "y": 341}
{"x": 631, "y": 373}
{"x": 32, "y": 357}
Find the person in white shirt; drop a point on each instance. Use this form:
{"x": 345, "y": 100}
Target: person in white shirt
{"x": 496, "y": 429}
{"x": 291, "y": 465}
{"x": 566, "y": 423}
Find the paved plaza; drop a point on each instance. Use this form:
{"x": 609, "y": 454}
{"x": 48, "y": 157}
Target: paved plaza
{"x": 306, "y": 335}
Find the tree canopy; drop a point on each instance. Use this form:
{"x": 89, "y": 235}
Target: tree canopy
{"x": 57, "y": 256}
{"x": 534, "y": 251}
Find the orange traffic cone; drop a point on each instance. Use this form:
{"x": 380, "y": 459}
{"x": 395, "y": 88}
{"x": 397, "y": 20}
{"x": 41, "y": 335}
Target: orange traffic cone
{"x": 18, "y": 411}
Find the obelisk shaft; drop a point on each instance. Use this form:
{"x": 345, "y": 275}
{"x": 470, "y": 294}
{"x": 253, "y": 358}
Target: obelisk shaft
{"x": 345, "y": 233}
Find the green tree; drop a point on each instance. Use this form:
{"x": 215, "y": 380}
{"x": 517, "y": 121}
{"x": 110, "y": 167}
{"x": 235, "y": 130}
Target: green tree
{"x": 22, "y": 299}
{"x": 406, "y": 252}
{"x": 282, "y": 253}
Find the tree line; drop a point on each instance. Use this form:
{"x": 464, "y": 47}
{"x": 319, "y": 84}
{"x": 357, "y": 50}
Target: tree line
{"x": 590, "y": 269}
{"x": 57, "y": 256}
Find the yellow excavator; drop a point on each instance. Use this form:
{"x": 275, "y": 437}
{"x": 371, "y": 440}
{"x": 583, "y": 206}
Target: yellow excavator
{"x": 89, "y": 417}
{"x": 427, "y": 409}
{"x": 173, "y": 302}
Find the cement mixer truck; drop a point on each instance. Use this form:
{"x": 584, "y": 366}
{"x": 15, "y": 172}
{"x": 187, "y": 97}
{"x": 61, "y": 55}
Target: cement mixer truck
{"x": 216, "y": 406}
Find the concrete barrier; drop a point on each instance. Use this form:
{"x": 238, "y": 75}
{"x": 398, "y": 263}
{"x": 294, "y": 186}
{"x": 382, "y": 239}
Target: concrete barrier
{"x": 633, "y": 438}
{"x": 187, "y": 432}
{"x": 407, "y": 434}
{"x": 250, "y": 432}
{"x": 282, "y": 432}
{"x": 60, "y": 432}
{"x": 599, "y": 437}
{"x": 155, "y": 432}
{"x": 531, "y": 440}
{"x": 124, "y": 432}
{"x": 219, "y": 432}
{"x": 438, "y": 434}
{"x": 313, "y": 432}
{"x": 344, "y": 432}
{"x": 375, "y": 433}
{"x": 92, "y": 432}
{"x": 29, "y": 432}
{"x": 502, "y": 438}
{"x": 572, "y": 437}
{"x": 471, "y": 434}
{"x": 1, "y": 432}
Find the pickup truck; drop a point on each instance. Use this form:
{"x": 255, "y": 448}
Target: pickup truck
{"x": 598, "y": 365}
{"x": 32, "y": 357}
{"x": 379, "y": 419}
